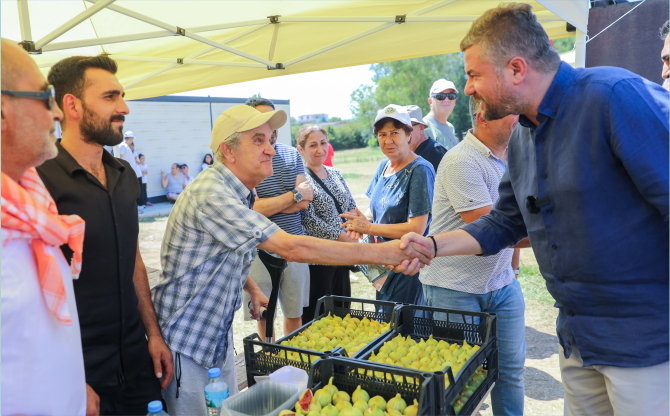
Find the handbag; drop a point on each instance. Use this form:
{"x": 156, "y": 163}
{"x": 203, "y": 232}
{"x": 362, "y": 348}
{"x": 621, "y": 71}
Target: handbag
{"x": 338, "y": 207}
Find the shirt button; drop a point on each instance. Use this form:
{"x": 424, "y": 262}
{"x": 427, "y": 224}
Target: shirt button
{"x": 541, "y": 140}
{"x": 258, "y": 233}
{"x": 544, "y": 176}
{"x": 554, "y": 246}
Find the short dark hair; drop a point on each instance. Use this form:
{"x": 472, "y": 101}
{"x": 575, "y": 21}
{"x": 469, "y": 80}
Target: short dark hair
{"x": 664, "y": 30}
{"x": 511, "y": 30}
{"x": 256, "y": 101}
{"x": 140, "y": 155}
{"x": 397, "y": 124}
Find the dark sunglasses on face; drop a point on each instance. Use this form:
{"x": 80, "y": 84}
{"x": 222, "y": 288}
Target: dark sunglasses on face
{"x": 441, "y": 96}
{"x": 49, "y": 95}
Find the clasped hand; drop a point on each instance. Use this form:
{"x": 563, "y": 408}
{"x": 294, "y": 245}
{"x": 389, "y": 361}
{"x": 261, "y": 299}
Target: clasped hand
{"x": 419, "y": 251}
{"x": 357, "y": 224}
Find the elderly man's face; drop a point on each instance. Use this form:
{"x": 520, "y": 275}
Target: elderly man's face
{"x": 267, "y": 109}
{"x": 442, "y": 108}
{"x": 666, "y": 58}
{"x": 254, "y": 155}
{"x": 27, "y": 124}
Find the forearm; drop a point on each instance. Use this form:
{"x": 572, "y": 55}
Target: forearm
{"x": 144, "y": 304}
{"x": 270, "y": 206}
{"x": 296, "y": 207}
{"x": 395, "y": 231}
{"x": 457, "y": 243}
{"x": 525, "y": 243}
{"x": 303, "y": 249}
{"x": 250, "y": 286}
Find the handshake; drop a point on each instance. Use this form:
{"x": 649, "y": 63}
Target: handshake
{"x": 409, "y": 254}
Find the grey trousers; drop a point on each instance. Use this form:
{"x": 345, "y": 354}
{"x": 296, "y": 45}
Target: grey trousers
{"x": 193, "y": 379}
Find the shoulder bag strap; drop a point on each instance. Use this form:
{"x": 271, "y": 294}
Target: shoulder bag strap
{"x": 326, "y": 190}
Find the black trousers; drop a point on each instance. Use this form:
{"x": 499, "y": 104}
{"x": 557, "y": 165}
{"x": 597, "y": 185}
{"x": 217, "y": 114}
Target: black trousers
{"x": 325, "y": 280}
{"x": 133, "y": 396}
{"x": 143, "y": 193}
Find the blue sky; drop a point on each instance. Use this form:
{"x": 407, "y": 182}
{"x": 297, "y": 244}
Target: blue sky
{"x": 314, "y": 92}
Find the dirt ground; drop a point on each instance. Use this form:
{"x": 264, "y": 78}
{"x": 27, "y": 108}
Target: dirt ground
{"x": 544, "y": 392}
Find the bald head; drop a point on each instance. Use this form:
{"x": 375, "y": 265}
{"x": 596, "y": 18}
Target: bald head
{"x": 27, "y": 123}
{"x": 15, "y": 60}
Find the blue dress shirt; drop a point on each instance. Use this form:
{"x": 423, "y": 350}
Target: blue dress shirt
{"x": 598, "y": 165}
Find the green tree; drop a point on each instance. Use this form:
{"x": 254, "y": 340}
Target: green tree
{"x": 407, "y": 82}
{"x": 564, "y": 44}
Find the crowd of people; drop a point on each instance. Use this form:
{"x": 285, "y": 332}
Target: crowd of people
{"x": 571, "y": 162}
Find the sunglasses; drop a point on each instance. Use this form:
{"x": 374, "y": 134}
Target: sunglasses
{"x": 441, "y": 96}
{"x": 49, "y": 95}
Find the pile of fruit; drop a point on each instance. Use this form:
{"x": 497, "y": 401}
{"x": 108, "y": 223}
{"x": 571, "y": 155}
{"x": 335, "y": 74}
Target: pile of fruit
{"x": 469, "y": 389}
{"x": 330, "y": 332}
{"x": 426, "y": 355}
{"x": 329, "y": 401}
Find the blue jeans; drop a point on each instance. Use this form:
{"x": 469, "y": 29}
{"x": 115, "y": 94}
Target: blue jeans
{"x": 507, "y": 303}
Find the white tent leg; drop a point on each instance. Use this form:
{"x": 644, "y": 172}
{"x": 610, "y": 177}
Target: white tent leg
{"x": 24, "y": 20}
{"x": 580, "y": 49}
{"x": 73, "y": 22}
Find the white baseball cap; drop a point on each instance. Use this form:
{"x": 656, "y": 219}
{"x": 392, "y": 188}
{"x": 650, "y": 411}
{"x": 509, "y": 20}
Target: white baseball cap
{"x": 397, "y": 112}
{"x": 242, "y": 118}
{"x": 415, "y": 114}
{"x": 441, "y": 85}
{"x": 128, "y": 134}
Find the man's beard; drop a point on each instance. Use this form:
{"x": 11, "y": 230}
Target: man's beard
{"x": 96, "y": 130}
{"x": 508, "y": 103}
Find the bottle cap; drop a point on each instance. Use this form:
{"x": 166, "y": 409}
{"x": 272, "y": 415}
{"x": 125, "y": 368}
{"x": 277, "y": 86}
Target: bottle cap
{"x": 155, "y": 406}
{"x": 214, "y": 372}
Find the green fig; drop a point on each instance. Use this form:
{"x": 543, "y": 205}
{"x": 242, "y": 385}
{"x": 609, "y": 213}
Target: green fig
{"x": 377, "y": 401}
{"x": 412, "y": 410}
{"x": 287, "y": 412}
{"x": 374, "y": 411}
{"x": 340, "y": 396}
{"x": 392, "y": 412}
{"x": 396, "y": 403}
{"x": 322, "y": 397}
{"x": 299, "y": 410}
{"x": 341, "y": 405}
{"x": 315, "y": 407}
{"x": 351, "y": 411}
{"x": 361, "y": 405}
{"x": 329, "y": 388}
{"x": 360, "y": 394}
{"x": 313, "y": 413}
{"x": 329, "y": 410}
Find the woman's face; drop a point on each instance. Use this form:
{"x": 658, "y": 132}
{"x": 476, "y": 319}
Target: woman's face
{"x": 208, "y": 159}
{"x": 393, "y": 141}
{"x": 316, "y": 148}
{"x": 142, "y": 159}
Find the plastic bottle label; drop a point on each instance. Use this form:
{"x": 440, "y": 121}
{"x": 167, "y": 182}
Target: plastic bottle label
{"x": 215, "y": 399}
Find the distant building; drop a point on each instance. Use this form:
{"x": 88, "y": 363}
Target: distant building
{"x": 313, "y": 118}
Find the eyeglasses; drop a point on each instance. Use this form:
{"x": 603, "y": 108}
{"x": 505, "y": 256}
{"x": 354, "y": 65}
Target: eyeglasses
{"x": 441, "y": 96}
{"x": 49, "y": 95}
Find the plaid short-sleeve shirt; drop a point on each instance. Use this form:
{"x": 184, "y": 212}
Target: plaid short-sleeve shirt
{"x": 206, "y": 255}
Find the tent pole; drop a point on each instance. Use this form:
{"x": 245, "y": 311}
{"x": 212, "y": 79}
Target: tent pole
{"x": 580, "y": 49}
{"x": 221, "y": 63}
{"x": 391, "y": 19}
{"x": 140, "y": 17}
{"x": 153, "y": 74}
{"x": 73, "y": 22}
{"x": 232, "y": 25}
{"x": 57, "y": 46}
{"x": 24, "y": 20}
{"x": 226, "y": 48}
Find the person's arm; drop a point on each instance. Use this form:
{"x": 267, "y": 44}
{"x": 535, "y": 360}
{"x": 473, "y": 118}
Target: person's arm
{"x": 92, "y": 402}
{"x": 360, "y": 224}
{"x": 270, "y": 206}
{"x": 303, "y": 249}
{"x": 158, "y": 350}
{"x": 316, "y": 227}
{"x": 475, "y": 214}
{"x": 164, "y": 179}
{"x": 258, "y": 299}
{"x": 303, "y": 186}
{"x": 516, "y": 261}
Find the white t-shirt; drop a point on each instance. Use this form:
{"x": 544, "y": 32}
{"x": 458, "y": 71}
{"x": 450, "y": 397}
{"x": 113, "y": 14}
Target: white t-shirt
{"x": 42, "y": 361}
{"x": 145, "y": 169}
{"x": 128, "y": 155}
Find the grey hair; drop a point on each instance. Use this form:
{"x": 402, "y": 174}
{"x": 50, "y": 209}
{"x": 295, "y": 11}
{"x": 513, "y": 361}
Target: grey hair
{"x": 232, "y": 141}
{"x": 256, "y": 101}
{"x": 663, "y": 32}
{"x": 474, "y": 107}
{"x": 511, "y": 30}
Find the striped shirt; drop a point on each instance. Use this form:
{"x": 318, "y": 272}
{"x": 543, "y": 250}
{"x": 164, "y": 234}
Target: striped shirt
{"x": 206, "y": 255}
{"x": 467, "y": 179}
{"x": 286, "y": 166}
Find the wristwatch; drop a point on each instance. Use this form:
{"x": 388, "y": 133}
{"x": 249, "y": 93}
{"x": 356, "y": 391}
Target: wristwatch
{"x": 297, "y": 196}
{"x": 516, "y": 272}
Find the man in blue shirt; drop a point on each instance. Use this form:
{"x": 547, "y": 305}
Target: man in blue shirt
{"x": 587, "y": 182}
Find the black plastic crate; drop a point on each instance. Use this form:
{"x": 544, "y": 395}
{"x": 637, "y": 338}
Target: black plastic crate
{"x": 259, "y": 356}
{"x": 452, "y": 326}
{"x": 491, "y": 365}
{"x": 385, "y": 381}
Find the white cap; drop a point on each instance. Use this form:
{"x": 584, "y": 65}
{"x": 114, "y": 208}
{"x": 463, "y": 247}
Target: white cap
{"x": 397, "y": 112}
{"x": 128, "y": 134}
{"x": 415, "y": 114}
{"x": 441, "y": 85}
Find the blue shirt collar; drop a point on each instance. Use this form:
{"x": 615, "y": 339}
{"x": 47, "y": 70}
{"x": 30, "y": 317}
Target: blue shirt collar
{"x": 552, "y": 100}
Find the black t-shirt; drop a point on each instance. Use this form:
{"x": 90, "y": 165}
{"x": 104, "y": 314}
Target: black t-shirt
{"x": 112, "y": 333}
{"x": 432, "y": 151}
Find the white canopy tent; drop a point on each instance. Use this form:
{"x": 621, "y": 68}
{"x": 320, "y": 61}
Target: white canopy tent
{"x": 165, "y": 47}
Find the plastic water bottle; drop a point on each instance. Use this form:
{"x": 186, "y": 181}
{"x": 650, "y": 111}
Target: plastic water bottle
{"x": 156, "y": 409}
{"x": 216, "y": 391}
